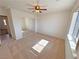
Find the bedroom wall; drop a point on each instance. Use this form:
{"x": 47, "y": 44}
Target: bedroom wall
{"x": 17, "y": 22}
{"x": 29, "y": 24}
{"x": 55, "y": 24}
{"x": 2, "y": 12}
{"x": 19, "y": 18}
{"x": 10, "y": 23}
{"x": 76, "y": 6}
{"x": 23, "y": 19}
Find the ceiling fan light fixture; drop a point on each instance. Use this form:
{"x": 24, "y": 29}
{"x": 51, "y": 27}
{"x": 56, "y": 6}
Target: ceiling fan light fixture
{"x": 37, "y": 11}
{"x": 37, "y": 7}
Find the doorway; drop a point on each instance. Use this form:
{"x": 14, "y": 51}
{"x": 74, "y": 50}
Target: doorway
{"x": 4, "y": 28}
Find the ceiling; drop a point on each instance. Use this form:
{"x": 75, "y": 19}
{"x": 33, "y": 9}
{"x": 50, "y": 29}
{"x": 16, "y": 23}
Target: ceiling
{"x": 51, "y": 5}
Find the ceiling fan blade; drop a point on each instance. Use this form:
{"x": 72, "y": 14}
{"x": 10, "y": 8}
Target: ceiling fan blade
{"x": 37, "y": 12}
{"x": 40, "y": 11}
{"x": 43, "y": 9}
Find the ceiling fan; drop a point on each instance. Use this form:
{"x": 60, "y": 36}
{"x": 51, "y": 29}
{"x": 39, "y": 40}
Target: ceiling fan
{"x": 37, "y": 8}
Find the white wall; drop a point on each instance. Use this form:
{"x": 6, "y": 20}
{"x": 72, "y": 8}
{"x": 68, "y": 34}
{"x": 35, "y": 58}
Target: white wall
{"x": 11, "y": 26}
{"x": 76, "y": 6}
{"x": 19, "y": 18}
{"x": 23, "y": 17}
{"x": 55, "y": 24}
{"x": 17, "y": 22}
{"x": 29, "y": 23}
{"x": 2, "y": 12}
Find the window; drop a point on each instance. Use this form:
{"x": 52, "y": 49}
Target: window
{"x": 40, "y": 45}
{"x": 76, "y": 28}
{"x": 4, "y": 22}
{"x": 73, "y": 34}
